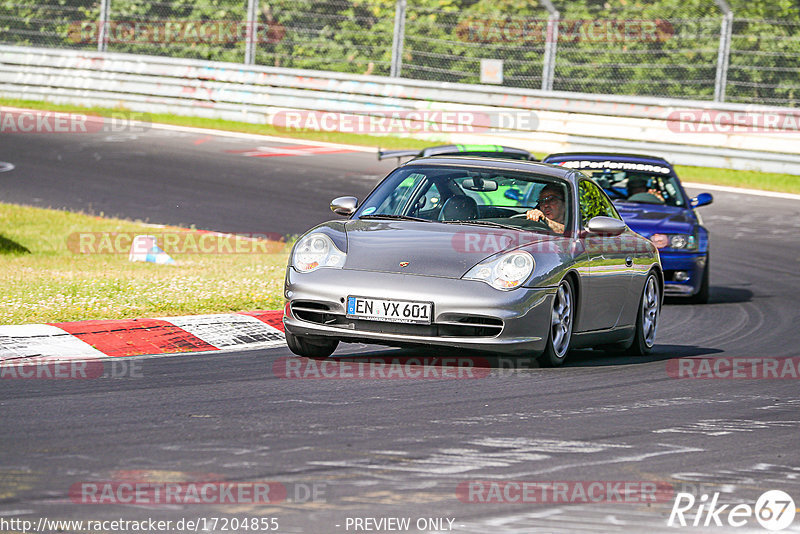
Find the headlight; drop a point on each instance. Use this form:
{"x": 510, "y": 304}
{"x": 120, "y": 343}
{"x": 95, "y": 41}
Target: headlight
{"x": 315, "y": 251}
{"x": 506, "y": 272}
{"x": 676, "y": 241}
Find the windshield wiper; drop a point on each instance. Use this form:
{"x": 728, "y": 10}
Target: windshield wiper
{"x": 485, "y": 223}
{"x": 388, "y": 217}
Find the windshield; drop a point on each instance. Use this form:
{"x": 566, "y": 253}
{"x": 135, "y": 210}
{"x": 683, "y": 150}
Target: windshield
{"x": 638, "y": 186}
{"x": 447, "y": 194}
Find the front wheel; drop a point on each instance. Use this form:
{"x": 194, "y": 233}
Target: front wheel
{"x": 647, "y": 318}
{"x": 316, "y": 348}
{"x": 561, "y": 321}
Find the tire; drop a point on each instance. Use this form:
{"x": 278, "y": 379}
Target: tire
{"x": 647, "y": 318}
{"x": 317, "y": 348}
{"x": 562, "y": 319}
{"x": 701, "y": 297}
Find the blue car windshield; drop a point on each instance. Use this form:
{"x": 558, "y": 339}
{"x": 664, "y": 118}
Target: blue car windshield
{"x": 449, "y": 194}
{"x": 638, "y": 187}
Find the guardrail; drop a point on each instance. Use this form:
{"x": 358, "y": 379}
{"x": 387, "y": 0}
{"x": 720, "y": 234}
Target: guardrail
{"x": 683, "y": 131}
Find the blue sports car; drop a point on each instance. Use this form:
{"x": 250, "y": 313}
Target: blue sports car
{"x": 648, "y": 195}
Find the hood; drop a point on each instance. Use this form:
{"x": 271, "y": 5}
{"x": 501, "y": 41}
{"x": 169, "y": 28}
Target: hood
{"x": 430, "y": 248}
{"x": 649, "y": 219}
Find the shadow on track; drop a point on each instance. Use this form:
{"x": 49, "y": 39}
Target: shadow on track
{"x": 596, "y": 358}
{"x": 718, "y": 295}
{"x": 577, "y": 358}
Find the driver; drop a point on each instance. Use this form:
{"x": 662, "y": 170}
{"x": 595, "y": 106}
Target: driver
{"x": 550, "y": 209}
{"x": 639, "y": 192}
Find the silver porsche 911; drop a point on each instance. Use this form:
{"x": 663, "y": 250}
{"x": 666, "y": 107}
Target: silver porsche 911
{"x": 509, "y": 257}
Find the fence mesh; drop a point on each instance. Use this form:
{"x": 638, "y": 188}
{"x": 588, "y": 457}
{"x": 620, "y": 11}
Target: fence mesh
{"x": 650, "y": 57}
{"x": 669, "y": 48}
{"x": 764, "y": 62}
{"x": 23, "y": 22}
{"x": 448, "y": 45}
{"x": 200, "y": 29}
{"x": 338, "y": 35}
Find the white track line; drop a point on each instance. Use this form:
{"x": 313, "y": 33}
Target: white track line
{"x": 267, "y": 138}
{"x": 742, "y": 190}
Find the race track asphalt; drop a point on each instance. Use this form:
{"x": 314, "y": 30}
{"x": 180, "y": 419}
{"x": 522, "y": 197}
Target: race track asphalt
{"x": 396, "y": 448}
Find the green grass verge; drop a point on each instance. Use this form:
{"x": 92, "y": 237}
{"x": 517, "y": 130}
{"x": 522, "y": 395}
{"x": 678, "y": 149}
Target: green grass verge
{"x": 785, "y": 183}
{"x": 45, "y": 277}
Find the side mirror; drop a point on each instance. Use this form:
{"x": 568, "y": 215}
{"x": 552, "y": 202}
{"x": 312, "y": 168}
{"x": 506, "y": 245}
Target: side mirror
{"x": 703, "y": 199}
{"x": 606, "y": 226}
{"x": 344, "y": 205}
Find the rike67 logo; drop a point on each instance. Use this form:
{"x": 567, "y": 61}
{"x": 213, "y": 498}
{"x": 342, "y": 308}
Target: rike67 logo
{"x": 774, "y": 510}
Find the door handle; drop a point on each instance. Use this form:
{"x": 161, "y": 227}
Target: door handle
{"x": 628, "y": 261}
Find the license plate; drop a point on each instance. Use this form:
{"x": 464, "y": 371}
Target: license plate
{"x": 395, "y": 311}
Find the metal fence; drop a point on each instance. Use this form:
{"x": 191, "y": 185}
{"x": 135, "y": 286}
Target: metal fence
{"x": 704, "y": 50}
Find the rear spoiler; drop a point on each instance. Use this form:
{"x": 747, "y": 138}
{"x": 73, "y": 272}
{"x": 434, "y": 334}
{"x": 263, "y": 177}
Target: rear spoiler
{"x": 383, "y": 154}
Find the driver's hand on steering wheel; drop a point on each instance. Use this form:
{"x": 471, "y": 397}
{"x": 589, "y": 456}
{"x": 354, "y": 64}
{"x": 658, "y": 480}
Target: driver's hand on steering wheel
{"x": 537, "y": 215}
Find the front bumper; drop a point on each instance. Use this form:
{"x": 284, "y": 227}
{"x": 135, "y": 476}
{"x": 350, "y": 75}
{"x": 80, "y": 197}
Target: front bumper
{"x": 691, "y": 263}
{"x": 466, "y": 314}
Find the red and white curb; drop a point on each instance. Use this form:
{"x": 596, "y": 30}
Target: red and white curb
{"x": 133, "y": 337}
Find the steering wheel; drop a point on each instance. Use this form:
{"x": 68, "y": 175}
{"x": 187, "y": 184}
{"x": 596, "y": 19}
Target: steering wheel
{"x": 544, "y": 225}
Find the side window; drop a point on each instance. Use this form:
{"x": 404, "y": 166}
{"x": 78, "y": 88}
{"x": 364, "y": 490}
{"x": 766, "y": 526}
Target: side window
{"x": 394, "y": 203}
{"x": 594, "y": 203}
{"x": 433, "y": 197}
{"x": 431, "y": 204}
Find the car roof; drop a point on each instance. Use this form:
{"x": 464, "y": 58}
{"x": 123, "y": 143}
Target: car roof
{"x": 466, "y": 149}
{"x": 546, "y": 169}
{"x": 612, "y": 156}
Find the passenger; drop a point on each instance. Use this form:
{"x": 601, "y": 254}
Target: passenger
{"x": 550, "y": 209}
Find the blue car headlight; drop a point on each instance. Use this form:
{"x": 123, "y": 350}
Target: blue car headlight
{"x": 316, "y": 251}
{"x": 674, "y": 241}
{"x": 505, "y": 272}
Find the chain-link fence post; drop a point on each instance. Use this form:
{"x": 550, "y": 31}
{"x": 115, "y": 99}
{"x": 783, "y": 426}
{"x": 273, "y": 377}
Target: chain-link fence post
{"x": 550, "y": 46}
{"x": 724, "y": 54}
{"x": 398, "y": 38}
{"x": 102, "y": 30}
{"x": 251, "y": 33}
